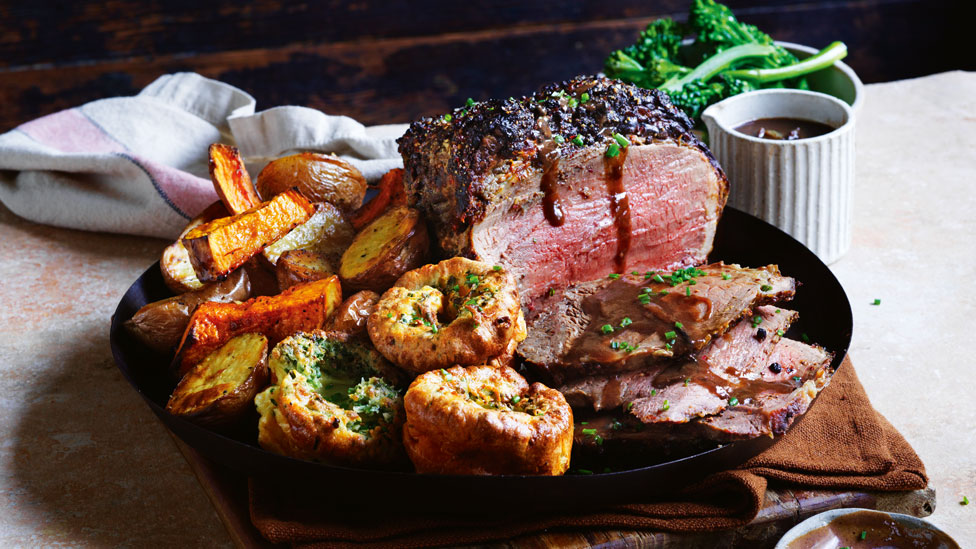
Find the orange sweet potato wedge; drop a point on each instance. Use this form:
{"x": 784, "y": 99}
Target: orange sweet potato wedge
{"x": 391, "y": 194}
{"x": 300, "y": 308}
{"x": 220, "y": 246}
{"x": 231, "y": 180}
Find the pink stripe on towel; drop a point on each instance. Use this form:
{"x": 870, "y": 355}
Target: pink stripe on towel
{"x": 70, "y": 131}
{"x": 185, "y": 192}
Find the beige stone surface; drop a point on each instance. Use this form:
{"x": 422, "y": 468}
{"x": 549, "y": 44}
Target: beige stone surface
{"x": 83, "y": 462}
{"x": 914, "y": 249}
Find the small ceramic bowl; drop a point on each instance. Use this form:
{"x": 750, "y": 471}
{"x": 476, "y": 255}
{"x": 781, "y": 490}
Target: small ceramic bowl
{"x": 863, "y": 522}
{"x": 805, "y": 186}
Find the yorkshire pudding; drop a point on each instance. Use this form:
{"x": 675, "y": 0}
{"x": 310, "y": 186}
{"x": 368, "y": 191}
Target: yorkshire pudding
{"x": 486, "y": 420}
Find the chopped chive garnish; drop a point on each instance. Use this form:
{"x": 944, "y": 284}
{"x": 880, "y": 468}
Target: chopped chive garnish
{"x": 653, "y": 392}
{"x": 551, "y": 292}
{"x": 589, "y": 431}
{"x": 657, "y": 278}
{"x": 688, "y": 291}
{"x": 765, "y": 287}
{"x": 644, "y": 299}
{"x": 558, "y": 138}
{"x": 621, "y": 140}
{"x": 797, "y": 379}
{"x": 606, "y": 328}
{"x": 687, "y": 381}
{"x": 635, "y": 273}
{"x": 726, "y": 276}
{"x": 584, "y": 471}
{"x": 626, "y": 322}
{"x": 613, "y": 151}
{"x": 389, "y": 315}
{"x": 679, "y": 325}
{"x": 469, "y": 102}
{"x": 864, "y": 534}
{"x": 598, "y": 440}
{"x": 584, "y": 423}
{"x": 876, "y": 302}
{"x": 805, "y": 337}
{"x": 577, "y": 140}
{"x": 670, "y": 335}
{"x": 630, "y": 406}
{"x": 663, "y": 292}
{"x": 613, "y": 276}
{"x": 665, "y": 406}
{"x": 516, "y": 399}
{"x": 497, "y": 268}
{"x": 447, "y": 117}
{"x": 780, "y": 333}
{"x": 965, "y": 500}
{"x": 573, "y": 102}
{"x": 584, "y": 97}
{"x": 733, "y": 401}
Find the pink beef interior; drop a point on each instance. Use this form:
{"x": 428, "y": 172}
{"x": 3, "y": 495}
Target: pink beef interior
{"x": 675, "y": 197}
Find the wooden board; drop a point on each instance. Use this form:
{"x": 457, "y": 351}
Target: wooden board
{"x": 782, "y": 509}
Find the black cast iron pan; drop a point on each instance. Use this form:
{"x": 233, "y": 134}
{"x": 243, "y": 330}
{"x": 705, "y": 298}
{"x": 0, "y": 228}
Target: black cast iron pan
{"x": 825, "y": 316}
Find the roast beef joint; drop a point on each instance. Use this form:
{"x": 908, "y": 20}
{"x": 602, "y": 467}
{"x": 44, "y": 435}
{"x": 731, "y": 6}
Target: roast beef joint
{"x": 602, "y": 202}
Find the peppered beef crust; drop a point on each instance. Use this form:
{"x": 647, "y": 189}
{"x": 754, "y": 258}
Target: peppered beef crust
{"x": 447, "y": 158}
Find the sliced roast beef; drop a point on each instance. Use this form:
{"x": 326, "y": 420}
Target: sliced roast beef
{"x": 629, "y": 322}
{"x": 584, "y": 178}
{"x": 769, "y": 409}
{"x": 802, "y": 367}
{"x": 741, "y": 353}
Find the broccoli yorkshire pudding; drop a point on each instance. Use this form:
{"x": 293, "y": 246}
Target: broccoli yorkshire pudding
{"x": 486, "y": 420}
{"x": 457, "y": 312}
{"x": 333, "y": 399}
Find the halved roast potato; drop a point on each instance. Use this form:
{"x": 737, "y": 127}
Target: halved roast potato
{"x": 300, "y": 308}
{"x": 160, "y": 325}
{"x": 300, "y": 266}
{"x": 320, "y": 177}
{"x": 327, "y": 233}
{"x": 392, "y": 244}
{"x": 219, "y": 247}
{"x": 351, "y": 316}
{"x": 175, "y": 263}
{"x": 221, "y": 388}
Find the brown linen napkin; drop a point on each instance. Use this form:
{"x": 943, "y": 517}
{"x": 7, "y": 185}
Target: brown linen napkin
{"x": 842, "y": 443}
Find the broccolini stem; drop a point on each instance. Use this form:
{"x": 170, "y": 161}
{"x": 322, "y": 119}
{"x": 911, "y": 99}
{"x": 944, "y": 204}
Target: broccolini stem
{"x": 821, "y": 60}
{"x": 718, "y": 63}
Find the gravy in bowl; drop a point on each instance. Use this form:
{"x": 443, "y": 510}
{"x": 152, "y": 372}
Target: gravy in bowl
{"x": 787, "y": 129}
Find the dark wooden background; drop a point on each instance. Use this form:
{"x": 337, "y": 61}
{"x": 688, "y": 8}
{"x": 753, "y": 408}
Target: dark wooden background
{"x": 394, "y": 61}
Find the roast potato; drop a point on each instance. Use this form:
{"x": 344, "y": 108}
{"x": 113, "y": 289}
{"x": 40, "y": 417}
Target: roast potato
{"x": 392, "y": 244}
{"x": 160, "y": 325}
{"x": 220, "y": 389}
{"x": 486, "y": 420}
{"x": 391, "y": 193}
{"x": 351, "y": 316}
{"x": 331, "y": 401}
{"x": 327, "y": 232}
{"x": 320, "y": 177}
{"x": 175, "y": 264}
{"x": 231, "y": 180}
{"x": 220, "y": 246}
{"x": 300, "y": 308}
{"x": 299, "y": 266}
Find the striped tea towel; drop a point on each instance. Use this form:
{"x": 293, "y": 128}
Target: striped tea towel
{"x": 138, "y": 165}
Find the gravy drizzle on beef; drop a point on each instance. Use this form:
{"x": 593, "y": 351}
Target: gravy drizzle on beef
{"x": 619, "y": 205}
{"x": 550, "y": 200}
